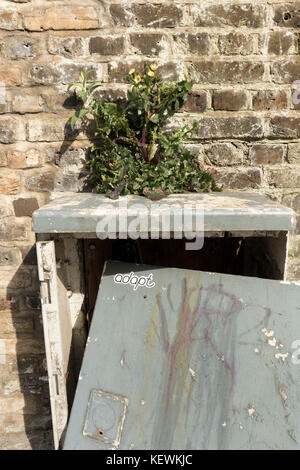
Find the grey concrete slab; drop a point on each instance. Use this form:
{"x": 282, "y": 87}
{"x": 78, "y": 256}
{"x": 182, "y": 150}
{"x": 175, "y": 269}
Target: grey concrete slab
{"x": 197, "y": 361}
{"x": 80, "y": 213}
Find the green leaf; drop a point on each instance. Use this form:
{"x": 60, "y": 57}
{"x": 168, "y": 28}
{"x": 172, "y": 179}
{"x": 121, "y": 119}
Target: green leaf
{"x": 79, "y": 114}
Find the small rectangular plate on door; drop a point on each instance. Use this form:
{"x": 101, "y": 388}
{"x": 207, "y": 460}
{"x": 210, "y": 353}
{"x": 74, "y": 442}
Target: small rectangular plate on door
{"x": 195, "y": 360}
{"x": 105, "y": 417}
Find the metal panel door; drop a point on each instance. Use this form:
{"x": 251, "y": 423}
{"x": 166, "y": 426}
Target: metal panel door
{"x": 197, "y": 361}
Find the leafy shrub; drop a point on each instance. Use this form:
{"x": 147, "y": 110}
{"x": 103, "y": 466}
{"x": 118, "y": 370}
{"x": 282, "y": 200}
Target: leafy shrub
{"x": 133, "y": 152}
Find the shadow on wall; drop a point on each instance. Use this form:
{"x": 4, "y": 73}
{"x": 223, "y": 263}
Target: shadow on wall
{"x": 27, "y": 424}
{"x": 27, "y": 367}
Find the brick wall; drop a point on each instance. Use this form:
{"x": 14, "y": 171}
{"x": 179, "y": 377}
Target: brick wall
{"x": 244, "y": 58}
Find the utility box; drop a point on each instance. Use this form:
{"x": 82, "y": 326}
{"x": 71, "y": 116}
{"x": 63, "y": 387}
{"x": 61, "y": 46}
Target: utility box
{"x": 194, "y": 360}
{"x": 247, "y": 230}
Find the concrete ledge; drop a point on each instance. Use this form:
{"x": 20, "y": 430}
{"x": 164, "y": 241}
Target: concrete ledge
{"x": 226, "y": 211}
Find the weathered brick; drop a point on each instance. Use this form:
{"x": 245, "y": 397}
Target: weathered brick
{"x": 196, "y": 102}
{"x": 154, "y": 16}
{"x": 32, "y": 103}
{"x": 293, "y": 154}
{"x": 29, "y": 440}
{"x": 14, "y": 423}
{"x": 236, "y": 44}
{"x": 60, "y": 72}
{"x": 3, "y": 158}
{"x": 60, "y": 18}
{"x": 226, "y": 127}
{"x": 9, "y": 256}
{"x": 229, "y": 100}
{"x": 6, "y": 208}
{"x": 66, "y": 46}
{"x": 20, "y": 404}
{"x": 70, "y": 181}
{"x": 186, "y": 43}
{"x": 49, "y": 129}
{"x": 15, "y": 280}
{"x": 41, "y": 182}
{"x": 16, "y": 325}
{"x": 27, "y": 385}
{"x": 27, "y": 364}
{"x": 285, "y": 126}
{"x": 11, "y": 130}
{"x": 227, "y": 72}
{"x": 287, "y": 15}
{"x": 9, "y": 182}
{"x": 243, "y": 178}
{"x": 261, "y": 154}
{"x": 281, "y": 42}
{"x": 225, "y": 154}
{"x": 10, "y": 75}
{"x": 72, "y": 157}
{"x": 56, "y": 99}
{"x": 26, "y": 159}
{"x": 285, "y": 72}
{"x": 9, "y": 19}
{"x": 19, "y": 47}
{"x": 269, "y": 100}
{"x": 292, "y": 201}
{"x": 24, "y": 207}
{"x": 147, "y": 44}
{"x": 24, "y": 346}
{"x": 250, "y": 15}
{"x": 12, "y": 230}
{"x": 107, "y": 45}
{"x": 284, "y": 177}
{"x": 169, "y": 70}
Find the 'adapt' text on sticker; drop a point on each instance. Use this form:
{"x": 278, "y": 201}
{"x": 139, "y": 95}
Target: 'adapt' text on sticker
{"x": 134, "y": 280}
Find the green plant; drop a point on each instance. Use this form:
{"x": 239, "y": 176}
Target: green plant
{"x": 133, "y": 151}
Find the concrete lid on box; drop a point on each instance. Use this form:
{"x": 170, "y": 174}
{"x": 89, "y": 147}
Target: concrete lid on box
{"x": 224, "y": 211}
